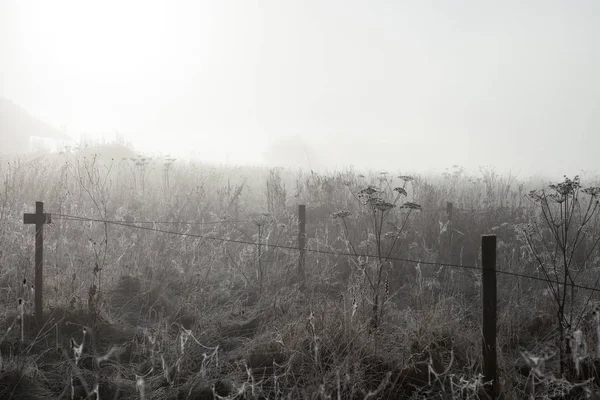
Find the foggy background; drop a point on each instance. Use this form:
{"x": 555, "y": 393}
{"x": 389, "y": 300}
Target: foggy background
{"x": 396, "y": 85}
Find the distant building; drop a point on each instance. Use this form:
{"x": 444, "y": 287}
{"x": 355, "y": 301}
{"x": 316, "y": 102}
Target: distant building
{"x": 21, "y": 133}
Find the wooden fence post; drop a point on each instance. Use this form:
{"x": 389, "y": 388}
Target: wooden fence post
{"x": 490, "y": 362}
{"x": 301, "y": 240}
{"x": 39, "y": 219}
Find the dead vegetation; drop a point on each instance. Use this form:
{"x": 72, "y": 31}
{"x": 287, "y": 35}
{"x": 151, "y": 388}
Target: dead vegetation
{"x": 139, "y": 313}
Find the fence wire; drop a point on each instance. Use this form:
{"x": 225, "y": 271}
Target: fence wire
{"x": 67, "y": 217}
{"x": 144, "y": 222}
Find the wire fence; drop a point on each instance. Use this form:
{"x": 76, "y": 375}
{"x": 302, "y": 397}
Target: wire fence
{"x": 67, "y": 217}
{"x": 133, "y": 222}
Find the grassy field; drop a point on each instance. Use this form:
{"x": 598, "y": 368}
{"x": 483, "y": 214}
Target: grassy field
{"x": 166, "y": 309}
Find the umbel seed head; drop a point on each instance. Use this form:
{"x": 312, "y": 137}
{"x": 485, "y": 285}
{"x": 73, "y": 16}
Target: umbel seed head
{"x": 368, "y": 191}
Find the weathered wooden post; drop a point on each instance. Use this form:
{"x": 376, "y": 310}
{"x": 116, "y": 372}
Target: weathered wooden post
{"x": 39, "y": 219}
{"x": 301, "y": 239}
{"x": 449, "y": 215}
{"x": 490, "y": 362}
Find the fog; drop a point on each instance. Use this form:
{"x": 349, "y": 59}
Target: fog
{"x": 393, "y": 85}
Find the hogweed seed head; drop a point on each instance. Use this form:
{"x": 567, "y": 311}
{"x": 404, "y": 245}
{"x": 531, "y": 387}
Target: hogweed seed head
{"x": 370, "y": 190}
{"x": 557, "y": 198}
{"x": 411, "y": 206}
{"x": 400, "y": 190}
{"x": 592, "y": 191}
{"x": 567, "y": 187}
{"x": 341, "y": 214}
{"x": 383, "y": 206}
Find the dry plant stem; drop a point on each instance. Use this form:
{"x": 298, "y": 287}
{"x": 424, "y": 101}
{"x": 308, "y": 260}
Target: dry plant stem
{"x": 260, "y": 269}
{"x": 22, "y": 316}
{"x": 92, "y": 174}
{"x": 378, "y": 210}
{"x": 559, "y": 223}
{"x": 398, "y": 234}
{"x": 348, "y": 240}
{"x": 270, "y": 258}
{"x": 237, "y": 267}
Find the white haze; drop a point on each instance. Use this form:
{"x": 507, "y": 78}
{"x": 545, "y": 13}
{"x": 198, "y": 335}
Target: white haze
{"x": 397, "y": 85}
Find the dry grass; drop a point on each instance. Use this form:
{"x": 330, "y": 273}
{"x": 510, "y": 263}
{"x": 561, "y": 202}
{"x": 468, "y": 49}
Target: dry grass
{"x": 173, "y": 317}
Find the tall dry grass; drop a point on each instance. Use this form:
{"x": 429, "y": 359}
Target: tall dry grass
{"x": 170, "y": 316}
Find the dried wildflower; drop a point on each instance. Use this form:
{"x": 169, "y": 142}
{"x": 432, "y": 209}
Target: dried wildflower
{"x": 383, "y": 206}
{"x": 341, "y": 214}
{"x": 524, "y": 231}
{"x": 567, "y": 187}
{"x": 406, "y": 178}
{"x": 593, "y": 191}
{"x": 412, "y": 206}
{"x": 535, "y": 195}
{"x": 370, "y": 190}
{"x": 372, "y": 201}
{"x": 400, "y": 190}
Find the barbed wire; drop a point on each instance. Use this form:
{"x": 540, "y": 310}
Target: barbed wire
{"x": 146, "y": 222}
{"x": 468, "y": 210}
{"x": 318, "y": 251}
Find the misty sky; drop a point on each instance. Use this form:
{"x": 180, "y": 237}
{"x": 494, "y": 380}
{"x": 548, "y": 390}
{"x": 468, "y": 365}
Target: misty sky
{"x": 387, "y": 83}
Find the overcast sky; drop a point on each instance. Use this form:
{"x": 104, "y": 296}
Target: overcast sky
{"x": 384, "y": 83}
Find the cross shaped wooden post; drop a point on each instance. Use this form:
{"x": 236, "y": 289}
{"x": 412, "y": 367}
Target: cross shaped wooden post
{"x": 39, "y": 219}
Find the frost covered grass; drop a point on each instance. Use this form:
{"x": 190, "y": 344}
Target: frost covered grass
{"x": 134, "y": 312}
